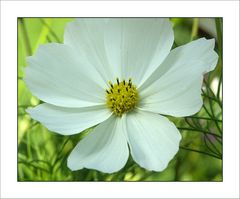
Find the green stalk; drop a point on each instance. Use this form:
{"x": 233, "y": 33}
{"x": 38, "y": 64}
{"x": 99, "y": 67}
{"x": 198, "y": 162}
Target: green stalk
{"x": 202, "y": 152}
{"x": 219, "y": 86}
{"x": 217, "y": 152}
{"x": 211, "y": 105}
{"x": 211, "y": 91}
{"x": 218, "y": 22}
{"x": 199, "y": 130}
{"x": 50, "y": 30}
{"x": 25, "y": 36}
{"x": 194, "y": 28}
{"x": 203, "y": 118}
{"x": 212, "y": 98}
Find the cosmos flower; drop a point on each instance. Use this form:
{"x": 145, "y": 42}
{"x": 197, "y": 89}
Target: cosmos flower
{"x": 121, "y": 75}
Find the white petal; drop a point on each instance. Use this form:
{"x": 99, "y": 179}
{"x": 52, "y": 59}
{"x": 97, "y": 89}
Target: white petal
{"x": 57, "y": 75}
{"x": 68, "y": 121}
{"x": 175, "y": 87}
{"x": 105, "y": 149}
{"x": 86, "y": 36}
{"x": 138, "y": 46}
{"x": 153, "y": 139}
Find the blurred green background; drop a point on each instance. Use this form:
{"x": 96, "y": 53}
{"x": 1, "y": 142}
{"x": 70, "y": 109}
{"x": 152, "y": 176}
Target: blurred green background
{"x": 42, "y": 154}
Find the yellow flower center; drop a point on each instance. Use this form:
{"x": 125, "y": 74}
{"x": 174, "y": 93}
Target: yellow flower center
{"x": 122, "y": 97}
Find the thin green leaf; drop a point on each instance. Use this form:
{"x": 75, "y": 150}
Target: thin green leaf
{"x": 201, "y": 152}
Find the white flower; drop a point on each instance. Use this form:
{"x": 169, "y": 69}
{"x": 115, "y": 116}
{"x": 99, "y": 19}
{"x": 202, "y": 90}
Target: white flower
{"x": 122, "y": 75}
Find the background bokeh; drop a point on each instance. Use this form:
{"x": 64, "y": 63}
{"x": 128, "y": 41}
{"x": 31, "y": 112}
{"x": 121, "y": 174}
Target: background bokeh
{"x": 42, "y": 154}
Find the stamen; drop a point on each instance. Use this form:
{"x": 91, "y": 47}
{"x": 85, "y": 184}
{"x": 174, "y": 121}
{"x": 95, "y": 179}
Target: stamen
{"x": 130, "y": 83}
{"x": 122, "y": 97}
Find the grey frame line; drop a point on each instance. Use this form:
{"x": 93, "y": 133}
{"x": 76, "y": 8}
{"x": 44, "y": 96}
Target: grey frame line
{"x": 111, "y": 181}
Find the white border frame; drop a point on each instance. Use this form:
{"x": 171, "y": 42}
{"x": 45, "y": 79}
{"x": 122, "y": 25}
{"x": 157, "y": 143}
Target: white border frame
{"x": 10, "y": 10}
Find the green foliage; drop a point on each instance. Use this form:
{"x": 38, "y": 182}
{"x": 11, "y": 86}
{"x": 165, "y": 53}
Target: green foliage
{"x": 42, "y": 154}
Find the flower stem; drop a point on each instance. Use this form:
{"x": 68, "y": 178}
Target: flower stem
{"x": 25, "y": 37}
{"x": 194, "y": 28}
{"x": 211, "y": 104}
{"x": 219, "y": 86}
{"x": 212, "y": 98}
{"x": 218, "y": 22}
{"x": 199, "y": 130}
{"x": 215, "y": 151}
{"x": 202, "y": 152}
{"x": 203, "y": 118}
{"x": 50, "y": 30}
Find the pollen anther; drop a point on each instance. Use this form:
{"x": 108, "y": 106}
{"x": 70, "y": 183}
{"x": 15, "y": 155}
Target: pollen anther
{"x": 122, "y": 97}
